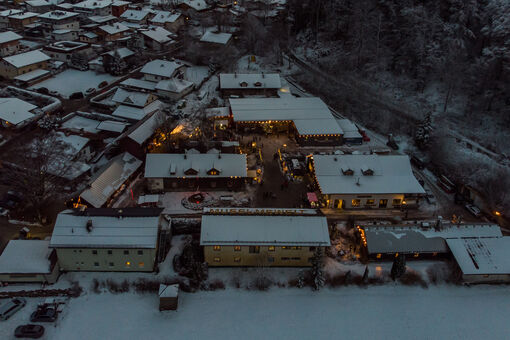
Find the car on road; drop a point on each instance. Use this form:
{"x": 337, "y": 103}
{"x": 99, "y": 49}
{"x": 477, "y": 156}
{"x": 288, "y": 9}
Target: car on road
{"x": 44, "y": 314}
{"x": 29, "y": 331}
{"x": 473, "y": 209}
{"x": 9, "y": 308}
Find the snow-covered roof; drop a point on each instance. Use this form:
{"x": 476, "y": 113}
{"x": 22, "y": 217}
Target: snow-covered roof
{"x": 102, "y": 18}
{"x": 114, "y": 28}
{"x": 365, "y": 174}
{"x": 216, "y": 38}
{"x": 174, "y": 85}
{"x": 24, "y": 15}
{"x": 27, "y": 58}
{"x": 58, "y": 15}
{"x": 164, "y": 165}
{"x": 311, "y": 116}
{"x": 139, "y": 83}
{"x": 110, "y": 178}
{"x": 197, "y": 5}
{"x": 90, "y": 35}
{"x": 148, "y": 199}
{"x": 112, "y": 125}
{"x": 264, "y": 230}
{"x": 482, "y": 256}
{"x": 93, "y": 4}
{"x": 26, "y": 257}
{"x": 162, "y": 68}
{"x": 9, "y": 36}
{"x": 32, "y": 75}
{"x": 15, "y": 111}
{"x": 163, "y": 17}
{"x": 37, "y": 3}
{"x": 349, "y": 128}
{"x": 136, "y": 113}
{"x": 70, "y": 231}
{"x": 80, "y": 123}
{"x": 168, "y": 291}
{"x": 135, "y": 15}
{"x": 218, "y": 111}
{"x": 62, "y": 31}
{"x": 417, "y": 238}
{"x": 158, "y": 34}
{"x": 123, "y": 52}
{"x": 133, "y": 98}
{"x": 250, "y": 81}
{"x": 9, "y": 12}
{"x": 146, "y": 129}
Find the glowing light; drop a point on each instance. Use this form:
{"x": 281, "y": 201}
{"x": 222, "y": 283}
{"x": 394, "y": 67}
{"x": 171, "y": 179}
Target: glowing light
{"x": 497, "y": 213}
{"x": 177, "y": 129}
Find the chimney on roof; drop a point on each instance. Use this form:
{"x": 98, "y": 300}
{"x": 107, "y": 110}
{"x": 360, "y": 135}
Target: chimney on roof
{"x": 263, "y": 75}
{"x": 185, "y": 157}
{"x": 357, "y": 182}
{"x": 89, "y": 226}
{"x": 219, "y": 155}
{"x": 235, "y": 74}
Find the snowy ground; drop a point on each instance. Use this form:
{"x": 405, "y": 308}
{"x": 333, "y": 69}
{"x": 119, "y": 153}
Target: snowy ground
{"x": 172, "y": 201}
{"x": 383, "y": 312}
{"x": 70, "y": 81}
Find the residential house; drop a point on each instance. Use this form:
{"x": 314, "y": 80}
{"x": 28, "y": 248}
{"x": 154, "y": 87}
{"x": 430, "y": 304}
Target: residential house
{"x": 93, "y": 7}
{"x": 134, "y": 105}
{"x": 63, "y": 50}
{"x": 242, "y": 84}
{"x": 174, "y": 88}
{"x": 366, "y": 181}
{"x": 13, "y": 66}
{"x": 5, "y": 14}
{"x": 38, "y": 6}
{"x": 158, "y": 69}
{"x": 22, "y": 20}
{"x": 88, "y": 37}
{"x": 139, "y": 17}
{"x": 113, "y": 240}
{"x": 259, "y": 237}
{"x": 60, "y": 25}
{"x": 170, "y": 20}
{"x": 215, "y": 40}
{"x": 136, "y": 140}
{"x": 119, "y": 7}
{"x": 113, "y": 32}
{"x": 189, "y": 171}
{"x": 15, "y": 112}
{"x": 9, "y": 43}
{"x": 157, "y": 38}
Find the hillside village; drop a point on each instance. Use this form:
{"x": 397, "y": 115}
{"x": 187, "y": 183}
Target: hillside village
{"x": 166, "y": 150}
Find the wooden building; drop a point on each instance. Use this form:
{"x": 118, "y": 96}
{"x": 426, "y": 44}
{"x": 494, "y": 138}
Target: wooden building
{"x": 239, "y": 84}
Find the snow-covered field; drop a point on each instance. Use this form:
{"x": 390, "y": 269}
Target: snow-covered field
{"x": 70, "y": 81}
{"x": 383, "y": 312}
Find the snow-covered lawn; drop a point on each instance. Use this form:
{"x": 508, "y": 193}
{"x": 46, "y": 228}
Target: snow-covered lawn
{"x": 70, "y": 81}
{"x": 384, "y": 312}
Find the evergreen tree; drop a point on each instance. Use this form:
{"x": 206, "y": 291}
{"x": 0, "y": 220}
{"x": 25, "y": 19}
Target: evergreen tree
{"x": 399, "y": 266}
{"x": 317, "y": 272}
{"x": 423, "y": 131}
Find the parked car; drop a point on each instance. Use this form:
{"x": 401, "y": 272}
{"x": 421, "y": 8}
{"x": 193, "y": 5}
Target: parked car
{"x": 45, "y": 314}
{"x": 9, "y": 308}
{"x": 473, "y": 209}
{"x": 4, "y": 212}
{"x": 419, "y": 163}
{"x": 90, "y": 91}
{"x": 29, "y": 331}
{"x": 102, "y": 84}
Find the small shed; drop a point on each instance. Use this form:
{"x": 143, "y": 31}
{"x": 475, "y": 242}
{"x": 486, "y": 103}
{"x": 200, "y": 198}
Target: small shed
{"x": 168, "y": 297}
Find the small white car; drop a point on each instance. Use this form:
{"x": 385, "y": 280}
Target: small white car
{"x": 473, "y": 209}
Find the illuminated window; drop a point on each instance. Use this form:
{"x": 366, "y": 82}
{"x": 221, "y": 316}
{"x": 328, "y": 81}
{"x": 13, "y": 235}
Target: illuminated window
{"x": 217, "y": 259}
{"x": 416, "y": 254}
{"x": 237, "y": 259}
{"x": 128, "y": 264}
{"x": 285, "y": 247}
{"x": 237, "y": 248}
{"x": 434, "y": 254}
{"x": 397, "y": 201}
{"x": 270, "y": 248}
{"x": 254, "y": 249}
{"x": 355, "y": 203}
{"x": 370, "y": 202}
{"x": 216, "y": 248}
{"x": 379, "y": 256}
{"x": 141, "y": 264}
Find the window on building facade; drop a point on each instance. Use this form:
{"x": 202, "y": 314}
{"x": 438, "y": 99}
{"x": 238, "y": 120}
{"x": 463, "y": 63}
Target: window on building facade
{"x": 397, "y": 201}
{"x": 379, "y": 256}
{"x": 126, "y": 252}
{"x": 94, "y": 252}
{"x": 296, "y": 258}
{"x": 216, "y": 248}
{"x": 312, "y": 248}
{"x": 355, "y": 203}
{"x": 110, "y": 252}
{"x": 271, "y": 248}
{"x": 237, "y": 248}
{"x": 141, "y": 264}
{"x": 285, "y": 258}
{"x": 96, "y": 264}
{"x": 128, "y": 264}
{"x": 270, "y": 259}
{"x": 217, "y": 259}
{"x": 254, "y": 249}
{"x": 370, "y": 201}
{"x": 140, "y": 252}
{"x": 237, "y": 259}
{"x": 111, "y": 264}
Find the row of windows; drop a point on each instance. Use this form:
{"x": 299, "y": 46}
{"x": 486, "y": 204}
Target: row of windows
{"x": 127, "y": 264}
{"x": 110, "y": 252}
{"x": 256, "y": 249}
{"x": 270, "y": 259}
{"x": 382, "y": 203}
